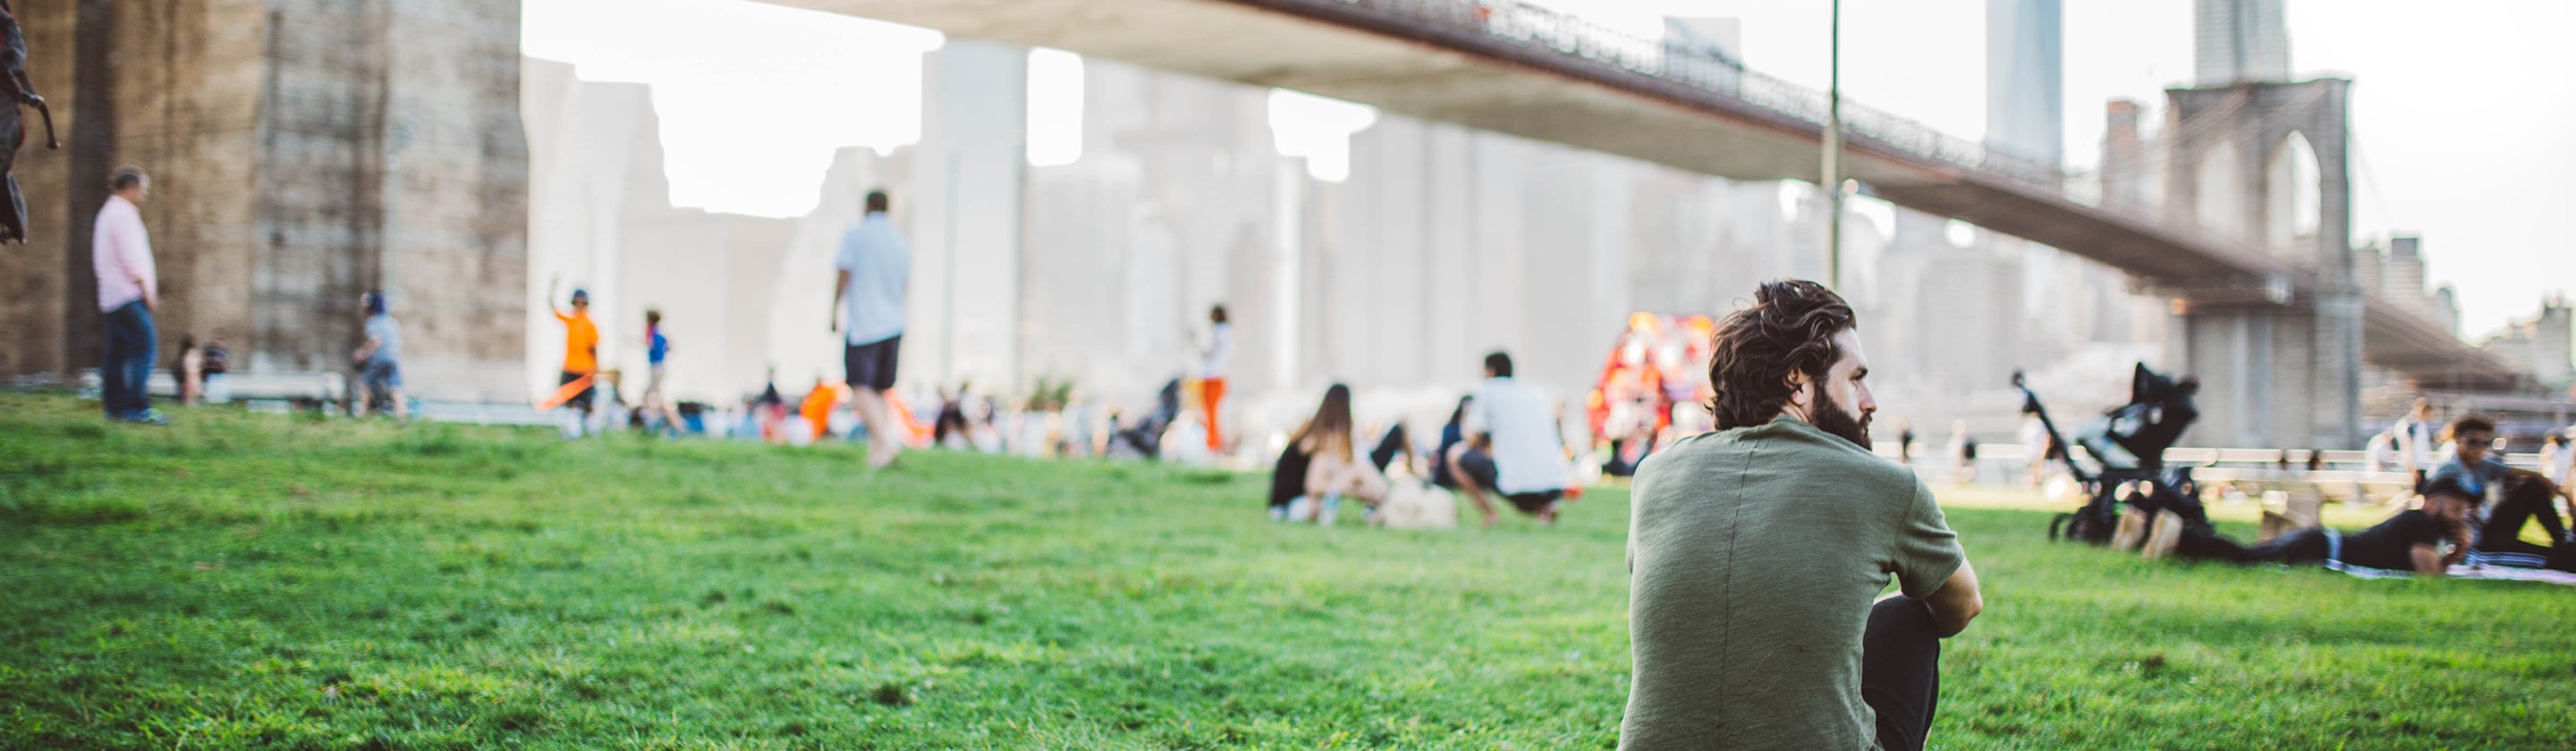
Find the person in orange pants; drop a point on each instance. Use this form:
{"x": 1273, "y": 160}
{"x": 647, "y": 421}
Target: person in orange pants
{"x": 1212, "y": 359}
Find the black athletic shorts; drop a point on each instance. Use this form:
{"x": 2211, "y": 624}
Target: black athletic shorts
{"x": 581, "y": 399}
{"x": 871, "y": 366}
{"x": 1479, "y": 466}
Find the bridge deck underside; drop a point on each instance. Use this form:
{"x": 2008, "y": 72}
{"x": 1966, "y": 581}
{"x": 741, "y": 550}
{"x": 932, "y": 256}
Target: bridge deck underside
{"x": 2418, "y": 350}
{"x": 1445, "y": 74}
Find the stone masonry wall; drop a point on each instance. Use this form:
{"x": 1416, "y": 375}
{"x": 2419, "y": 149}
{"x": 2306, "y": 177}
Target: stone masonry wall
{"x": 457, "y": 255}
{"x": 302, "y": 152}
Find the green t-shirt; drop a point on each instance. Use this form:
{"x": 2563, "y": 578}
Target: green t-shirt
{"x": 1754, "y": 555}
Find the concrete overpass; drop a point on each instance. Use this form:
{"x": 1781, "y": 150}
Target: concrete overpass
{"x": 2261, "y": 323}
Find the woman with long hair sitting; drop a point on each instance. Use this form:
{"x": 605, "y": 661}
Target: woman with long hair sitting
{"x": 1333, "y": 468}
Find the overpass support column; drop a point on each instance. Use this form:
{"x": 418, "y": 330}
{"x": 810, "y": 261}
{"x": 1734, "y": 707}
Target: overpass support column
{"x": 2274, "y": 376}
{"x": 969, "y": 171}
{"x": 2335, "y": 403}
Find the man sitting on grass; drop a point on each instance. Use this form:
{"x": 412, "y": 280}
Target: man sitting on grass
{"x": 2410, "y": 541}
{"x": 1754, "y": 553}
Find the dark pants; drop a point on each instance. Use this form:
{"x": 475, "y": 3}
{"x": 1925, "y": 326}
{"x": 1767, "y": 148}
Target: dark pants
{"x": 2295, "y": 546}
{"x": 1442, "y": 474}
{"x": 1388, "y": 446}
{"x": 1479, "y": 466}
{"x": 1900, "y": 671}
{"x": 871, "y": 366}
{"x": 131, "y": 346}
{"x": 587, "y": 395}
{"x": 2505, "y": 522}
{"x": 2500, "y": 540}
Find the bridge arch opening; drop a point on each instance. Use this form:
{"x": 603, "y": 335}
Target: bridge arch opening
{"x": 2219, "y": 199}
{"x": 2292, "y": 191}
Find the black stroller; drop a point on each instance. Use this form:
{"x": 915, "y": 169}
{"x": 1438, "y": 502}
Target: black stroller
{"x": 2128, "y": 443}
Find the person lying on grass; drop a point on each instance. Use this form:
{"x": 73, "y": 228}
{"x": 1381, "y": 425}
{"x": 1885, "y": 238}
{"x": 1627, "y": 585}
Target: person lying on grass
{"x": 1755, "y": 552}
{"x": 2410, "y": 541}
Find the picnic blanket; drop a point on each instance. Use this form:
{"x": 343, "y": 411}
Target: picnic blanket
{"x": 2501, "y": 573}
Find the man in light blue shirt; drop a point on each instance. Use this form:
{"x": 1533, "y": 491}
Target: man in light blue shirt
{"x": 867, "y": 304}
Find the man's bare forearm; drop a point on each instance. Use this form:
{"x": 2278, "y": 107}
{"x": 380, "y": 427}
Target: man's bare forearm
{"x": 1957, "y": 602}
{"x": 2429, "y": 562}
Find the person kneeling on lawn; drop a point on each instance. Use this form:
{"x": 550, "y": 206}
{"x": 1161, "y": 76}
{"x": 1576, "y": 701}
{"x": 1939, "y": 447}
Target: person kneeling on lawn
{"x": 1513, "y": 448}
{"x": 1755, "y": 553}
{"x": 2410, "y": 541}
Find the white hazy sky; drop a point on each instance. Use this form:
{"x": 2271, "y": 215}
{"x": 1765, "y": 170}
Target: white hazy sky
{"x": 2459, "y": 109}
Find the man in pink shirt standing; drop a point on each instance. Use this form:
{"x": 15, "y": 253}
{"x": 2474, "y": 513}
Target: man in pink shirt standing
{"x": 128, "y": 293}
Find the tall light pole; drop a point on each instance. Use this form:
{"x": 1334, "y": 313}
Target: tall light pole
{"x": 1833, "y": 177}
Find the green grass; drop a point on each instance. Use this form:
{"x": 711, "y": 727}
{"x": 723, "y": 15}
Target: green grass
{"x": 249, "y": 581}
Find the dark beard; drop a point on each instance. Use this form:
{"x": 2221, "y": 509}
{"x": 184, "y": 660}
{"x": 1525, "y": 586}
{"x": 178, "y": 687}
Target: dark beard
{"x": 1832, "y": 418}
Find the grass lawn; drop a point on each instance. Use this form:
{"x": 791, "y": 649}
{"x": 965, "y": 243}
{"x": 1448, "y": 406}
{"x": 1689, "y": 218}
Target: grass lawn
{"x": 256, "y": 581}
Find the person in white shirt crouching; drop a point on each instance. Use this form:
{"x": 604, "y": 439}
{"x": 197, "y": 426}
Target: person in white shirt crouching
{"x": 1512, "y": 447}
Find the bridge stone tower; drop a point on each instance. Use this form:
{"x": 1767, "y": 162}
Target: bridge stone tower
{"x": 2266, "y": 164}
{"x": 301, "y": 152}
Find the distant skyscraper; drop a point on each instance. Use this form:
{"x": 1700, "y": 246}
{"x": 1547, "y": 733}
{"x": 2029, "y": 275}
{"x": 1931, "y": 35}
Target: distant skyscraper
{"x": 2239, "y": 40}
{"x": 2025, "y": 96}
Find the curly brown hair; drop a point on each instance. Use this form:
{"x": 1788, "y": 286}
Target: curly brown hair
{"x": 1789, "y": 329}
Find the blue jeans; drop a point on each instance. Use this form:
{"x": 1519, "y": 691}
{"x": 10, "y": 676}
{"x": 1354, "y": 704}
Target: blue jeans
{"x": 131, "y": 347}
